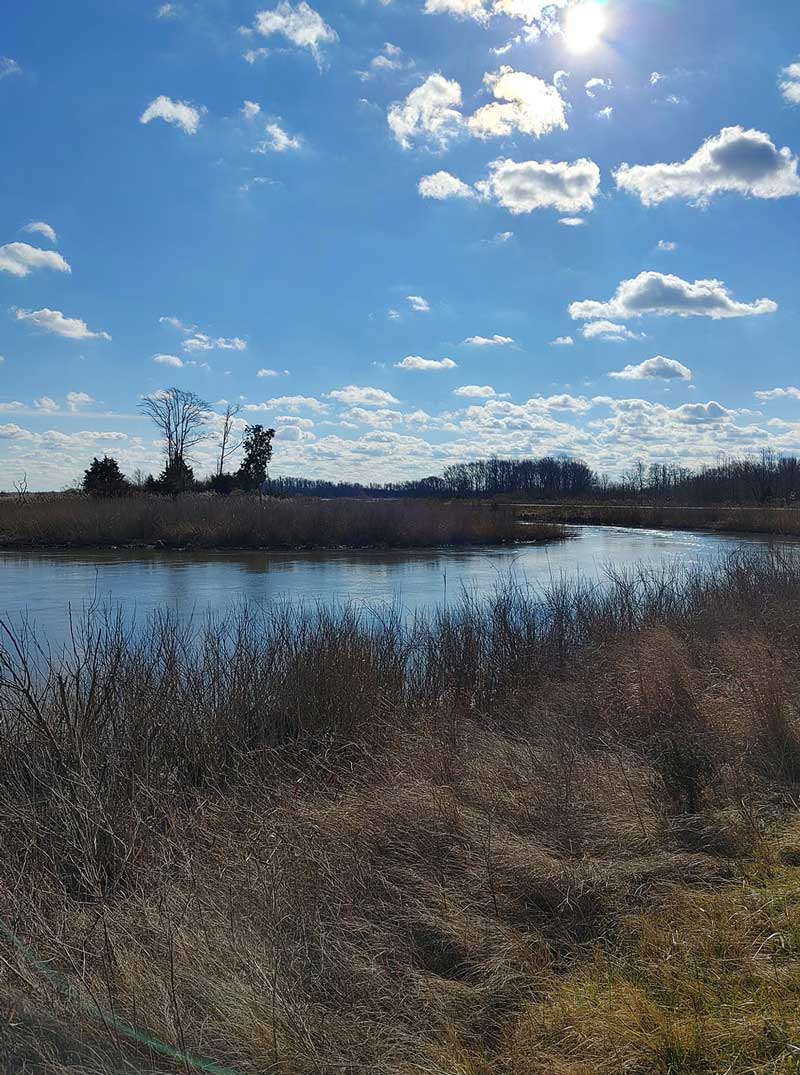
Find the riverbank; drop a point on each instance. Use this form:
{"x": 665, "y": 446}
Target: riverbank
{"x": 246, "y": 522}
{"x": 534, "y": 834}
{"x": 783, "y": 522}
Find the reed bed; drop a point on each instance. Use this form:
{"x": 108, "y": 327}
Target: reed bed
{"x": 207, "y": 521}
{"x": 781, "y": 521}
{"x": 325, "y": 841}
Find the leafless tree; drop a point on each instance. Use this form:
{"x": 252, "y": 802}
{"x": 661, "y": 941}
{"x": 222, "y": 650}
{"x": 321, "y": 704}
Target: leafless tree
{"x": 182, "y": 418}
{"x": 229, "y": 443}
{"x": 21, "y": 486}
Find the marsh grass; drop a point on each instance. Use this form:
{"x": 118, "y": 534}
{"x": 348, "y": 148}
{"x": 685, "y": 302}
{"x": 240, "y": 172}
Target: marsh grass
{"x": 521, "y": 835}
{"x": 208, "y": 521}
{"x": 742, "y": 520}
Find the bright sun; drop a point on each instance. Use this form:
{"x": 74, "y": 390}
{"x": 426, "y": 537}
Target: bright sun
{"x": 583, "y": 26}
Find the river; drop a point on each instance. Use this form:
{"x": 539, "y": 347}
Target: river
{"x": 43, "y": 587}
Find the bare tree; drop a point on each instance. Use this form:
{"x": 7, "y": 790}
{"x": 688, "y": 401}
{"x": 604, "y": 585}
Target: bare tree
{"x": 21, "y": 486}
{"x": 182, "y": 418}
{"x": 228, "y": 442}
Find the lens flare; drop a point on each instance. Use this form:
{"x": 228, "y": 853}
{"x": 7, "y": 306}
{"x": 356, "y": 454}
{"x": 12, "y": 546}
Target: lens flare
{"x": 583, "y": 26}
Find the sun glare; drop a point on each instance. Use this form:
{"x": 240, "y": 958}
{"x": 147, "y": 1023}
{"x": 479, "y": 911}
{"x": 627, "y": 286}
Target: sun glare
{"x": 583, "y": 26}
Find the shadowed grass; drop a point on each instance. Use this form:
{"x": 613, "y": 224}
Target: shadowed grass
{"x": 740, "y": 520}
{"x": 207, "y": 521}
{"x": 522, "y": 835}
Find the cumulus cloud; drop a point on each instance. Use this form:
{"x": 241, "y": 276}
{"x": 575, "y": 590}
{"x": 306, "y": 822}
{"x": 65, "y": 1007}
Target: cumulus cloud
{"x": 179, "y": 113}
{"x": 430, "y": 113}
{"x": 478, "y": 391}
{"x": 301, "y": 25}
{"x": 354, "y": 396}
{"x": 250, "y": 109}
{"x": 390, "y": 58}
{"x": 39, "y": 227}
{"x": 765, "y": 395}
{"x": 72, "y": 328}
{"x": 659, "y": 294}
{"x": 278, "y": 140}
{"x": 529, "y": 185}
{"x": 175, "y": 322}
{"x": 654, "y": 369}
{"x": 736, "y": 161}
{"x": 443, "y": 185}
{"x": 462, "y": 9}
{"x": 294, "y": 403}
{"x": 605, "y": 113}
{"x": 562, "y": 341}
{"x": 667, "y": 246}
{"x": 272, "y": 373}
{"x": 488, "y": 341}
{"x": 418, "y": 304}
{"x": 9, "y": 67}
{"x": 415, "y": 362}
{"x": 46, "y": 404}
{"x": 572, "y": 221}
{"x": 523, "y": 103}
{"x": 20, "y": 259}
{"x": 700, "y": 413}
{"x": 790, "y": 84}
{"x": 200, "y": 342}
{"x": 77, "y": 400}
{"x": 538, "y": 15}
{"x": 595, "y": 85}
{"x": 169, "y": 360}
{"x": 608, "y": 330}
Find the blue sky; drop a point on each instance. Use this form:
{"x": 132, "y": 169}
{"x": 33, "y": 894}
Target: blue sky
{"x": 350, "y": 220}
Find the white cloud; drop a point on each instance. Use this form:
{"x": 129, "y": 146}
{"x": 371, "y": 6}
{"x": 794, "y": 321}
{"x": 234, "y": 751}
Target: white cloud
{"x": 167, "y": 11}
{"x": 478, "y": 391}
{"x": 38, "y": 227}
{"x": 9, "y": 67}
{"x": 179, "y": 113}
{"x": 694, "y": 413}
{"x": 529, "y": 106}
{"x": 736, "y": 160}
{"x": 538, "y": 15}
{"x": 501, "y": 238}
{"x": 418, "y": 304}
{"x": 252, "y": 55}
{"x": 20, "y": 259}
{"x": 354, "y": 396}
{"x": 415, "y": 362}
{"x": 608, "y": 330}
{"x": 777, "y": 393}
{"x": 72, "y": 328}
{"x": 393, "y": 315}
{"x": 658, "y": 294}
{"x": 200, "y": 342}
{"x": 169, "y": 360}
{"x": 390, "y": 58}
{"x": 76, "y": 400}
{"x": 294, "y": 403}
{"x": 529, "y": 185}
{"x": 430, "y": 113}
{"x": 559, "y": 78}
{"x": 655, "y": 78}
{"x": 595, "y": 85}
{"x": 562, "y": 341}
{"x": 175, "y": 322}
{"x": 654, "y": 369}
{"x": 790, "y": 87}
{"x": 250, "y": 109}
{"x": 605, "y": 113}
{"x": 301, "y": 25}
{"x": 278, "y": 140}
{"x": 272, "y": 373}
{"x": 572, "y": 221}
{"x": 667, "y": 245}
{"x": 488, "y": 341}
{"x": 462, "y": 9}
{"x": 442, "y": 185}
{"x": 45, "y": 403}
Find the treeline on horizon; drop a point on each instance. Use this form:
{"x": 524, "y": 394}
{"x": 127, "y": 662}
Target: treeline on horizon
{"x": 760, "y": 480}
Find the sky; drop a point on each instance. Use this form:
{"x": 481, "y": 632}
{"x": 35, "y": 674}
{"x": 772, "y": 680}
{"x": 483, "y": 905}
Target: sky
{"x": 403, "y": 233}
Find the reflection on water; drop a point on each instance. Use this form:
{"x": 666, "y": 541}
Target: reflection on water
{"x": 46, "y": 585}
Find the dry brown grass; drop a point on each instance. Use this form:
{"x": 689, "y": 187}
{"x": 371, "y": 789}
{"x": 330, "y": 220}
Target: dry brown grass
{"x": 742, "y": 520}
{"x": 321, "y": 843}
{"x": 208, "y": 521}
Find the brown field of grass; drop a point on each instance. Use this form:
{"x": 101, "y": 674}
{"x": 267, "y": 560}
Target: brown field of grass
{"x": 208, "y": 521}
{"x": 746, "y": 520}
{"x": 539, "y": 835}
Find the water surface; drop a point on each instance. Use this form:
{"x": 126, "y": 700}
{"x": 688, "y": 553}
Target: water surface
{"x": 45, "y": 586}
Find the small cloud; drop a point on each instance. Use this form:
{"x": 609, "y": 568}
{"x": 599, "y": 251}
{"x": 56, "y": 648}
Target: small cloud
{"x": 45, "y": 403}
{"x": 500, "y": 238}
{"x": 250, "y": 109}
{"x": 20, "y": 259}
{"x": 278, "y": 140}
{"x": 301, "y": 25}
{"x": 562, "y": 341}
{"x": 272, "y": 373}
{"x": 9, "y": 67}
{"x": 777, "y": 393}
{"x": 38, "y": 227}
{"x": 572, "y": 221}
{"x": 479, "y": 391}
{"x": 667, "y": 245}
{"x": 178, "y": 113}
{"x": 559, "y": 78}
{"x": 655, "y": 78}
{"x": 415, "y": 362}
{"x": 654, "y": 369}
{"x": 443, "y": 185}
{"x": 488, "y": 341}
{"x": 596, "y": 85}
{"x": 169, "y": 360}
{"x": 167, "y": 11}
{"x": 254, "y": 55}
{"x": 78, "y": 400}
{"x": 354, "y": 396}
{"x": 200, "y": 342}
{"x": 605, "y": 113}
{"x": 608, "y": 330}
{"x": 71, "y": 328}
{"x": 790, "y": 86}
{"x": 418, "y": 304}
{"x": 175, "y": 322}
{"x": 393, "y": 315}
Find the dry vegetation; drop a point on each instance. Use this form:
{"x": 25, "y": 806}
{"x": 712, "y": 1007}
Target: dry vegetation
{"x": 208, "y": 521}
{"x": 741, "y": 520}
{"x": 530, "y": 836}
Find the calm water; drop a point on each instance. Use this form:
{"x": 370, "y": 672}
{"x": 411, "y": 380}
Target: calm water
{"x": 44, "y": 586}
